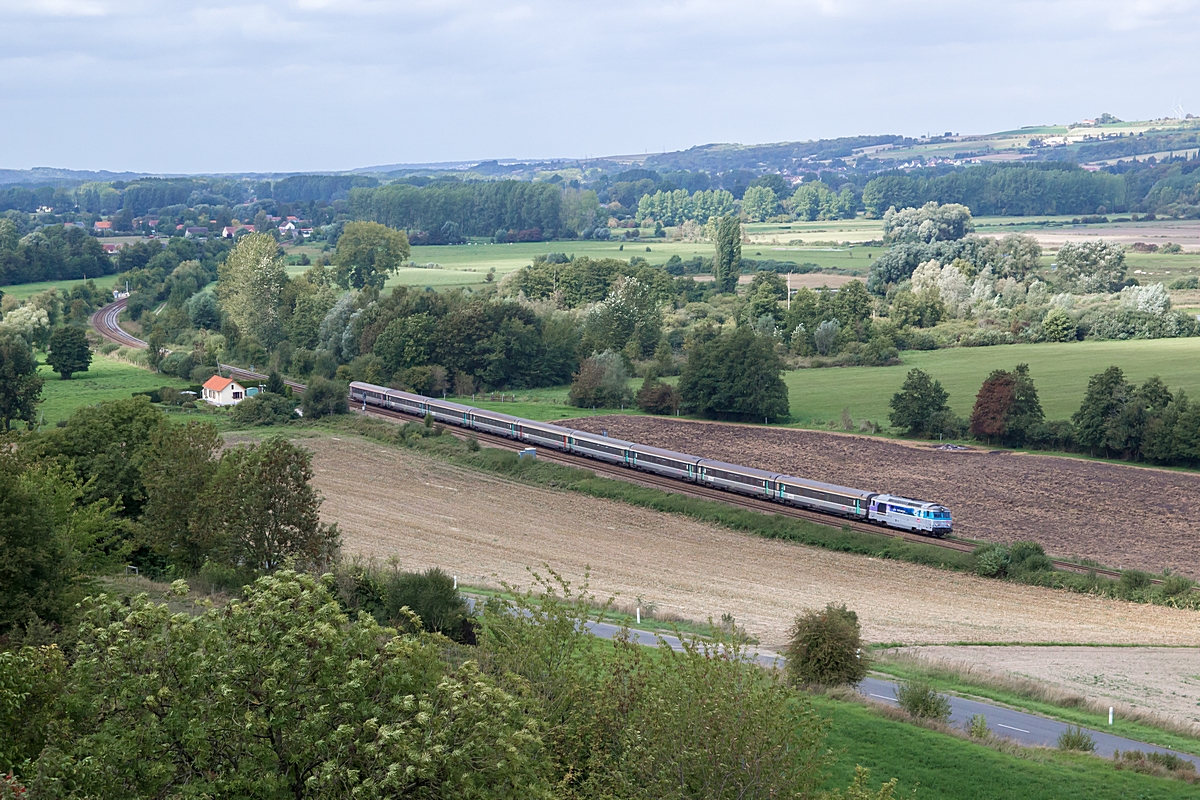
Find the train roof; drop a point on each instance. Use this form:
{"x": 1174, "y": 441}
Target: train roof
{"x": 895, "y": 498}
{"x": 658, "y": 451}
{"x": 544, "y": 426}
{"x": 826, "y": 487}
{"x": 588, "y": 436}
{"x": 445, "y": 403}
{"x": 758, "y": 473}
{"x": 494, "y": 414}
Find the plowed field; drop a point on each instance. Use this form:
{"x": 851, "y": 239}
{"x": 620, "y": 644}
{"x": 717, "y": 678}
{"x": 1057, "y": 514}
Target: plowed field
{"x": 1121, "y": 516}
{"x": 391, "y": 502}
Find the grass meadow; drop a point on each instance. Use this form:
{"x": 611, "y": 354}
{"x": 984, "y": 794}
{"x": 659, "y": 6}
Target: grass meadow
{"x": 106, "y": 379}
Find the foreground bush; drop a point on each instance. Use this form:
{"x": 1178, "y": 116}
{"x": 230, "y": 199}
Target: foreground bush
{"x": 825, "y": 647}
{"x": 277, "y": 695}
{"x": 265, "y": 408}
{"x": 386, "y": 593}
{"x": 1076, "y": 738}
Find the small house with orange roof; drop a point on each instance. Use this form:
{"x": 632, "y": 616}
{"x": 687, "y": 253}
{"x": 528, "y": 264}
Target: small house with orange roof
{"x": 218, "y": 391}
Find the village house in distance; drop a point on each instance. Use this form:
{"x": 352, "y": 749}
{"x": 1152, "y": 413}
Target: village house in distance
{"x": 220, "y": 391}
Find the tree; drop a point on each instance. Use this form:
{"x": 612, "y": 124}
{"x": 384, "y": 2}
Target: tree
{"x": 275, "y": 384}
{"x": 107, "y": 445}
{"x": 630, "y": 316}
{"x": 49, "y": 538}
{"x": 1058, "y": 326}
{"x": 1107, "y": 394}
{"x": 1094, "y": 266}
{"x": 250, "y": 286}
{"x": 261, "y": 509}
{"x": 1021, "y": 256}
{"x": 367, "y": 253}
{"x": 324, "y": 398}
{"x": 929, "y": 223}
{"x": 759, "y": 202}
{"x": 178, "y": 469}
{"x": 920, "y": 404}
{"x": 20, "y": 386}
{"x": 276, "y": 695}
{"x": 825, "y": 647}
{"x": 727, "y": 265}
{"x": 657, "y": 397}
{"x": 734, "y": 375}
{"x": 602, "y": 381}
{"x": 69, "y": 351}
{"x": 989, "y": 417}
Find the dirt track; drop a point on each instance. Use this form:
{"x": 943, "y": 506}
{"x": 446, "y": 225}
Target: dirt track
{"x": 1121, "y": 516}
{"x": 392, "y": 502}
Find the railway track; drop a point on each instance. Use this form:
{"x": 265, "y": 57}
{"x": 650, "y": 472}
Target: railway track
{"x": 106, "y": 322}
{"x": 692, "y": 490}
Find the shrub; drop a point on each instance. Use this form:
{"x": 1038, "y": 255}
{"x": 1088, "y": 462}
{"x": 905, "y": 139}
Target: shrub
{"x": 1133, "y": 582}
{"x": 918, "y": 698}
{"x": 109, "y": 347}
{"x": 324, "y": 397}
{"x": 1077, "y": 739}
{"x": 1175, "y": 586}
{"x": 657, "y": 397}
{"x": 1027, "y": 558}
{"x": 1154, "y": 763}
{"x": 825, "y": 647}
{"x": 602, "y": 381}
{"x": 1188, "y": 282}
{"x": 992, "y": 560}
{"x": 264, "y": 408}
{"x": 977, "y": 727}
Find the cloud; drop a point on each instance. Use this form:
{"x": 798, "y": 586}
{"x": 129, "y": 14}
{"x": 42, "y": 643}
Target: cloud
{"x": 317, "y": 84}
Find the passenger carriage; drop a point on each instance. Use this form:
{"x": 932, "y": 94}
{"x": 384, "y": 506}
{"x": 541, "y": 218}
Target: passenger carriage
{"x": 827, "y": 497}
{"x": 736, "y": 478}
{"x": 614, "y": 451}
{"x": 664, "y": 462}
{"x": 544, "y": 434}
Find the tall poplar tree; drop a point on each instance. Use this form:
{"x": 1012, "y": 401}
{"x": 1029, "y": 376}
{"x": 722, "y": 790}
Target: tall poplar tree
{"x": 727, "y": 265}
{"x": 250, "y": 284}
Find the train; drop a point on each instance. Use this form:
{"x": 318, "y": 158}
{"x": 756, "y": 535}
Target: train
{"x": 881, "y": 508}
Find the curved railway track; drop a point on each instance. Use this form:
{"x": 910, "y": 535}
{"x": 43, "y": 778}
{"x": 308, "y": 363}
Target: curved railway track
{"x": 106, "y": 322}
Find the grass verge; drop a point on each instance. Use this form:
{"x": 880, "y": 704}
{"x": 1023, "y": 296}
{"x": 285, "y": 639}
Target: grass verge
{"x": 937, "y": 766}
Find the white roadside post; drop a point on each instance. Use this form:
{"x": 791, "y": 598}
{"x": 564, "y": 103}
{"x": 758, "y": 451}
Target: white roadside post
{"x": 1110, "y": 715}
{"x": 456, "y": 583}
{"x": 639, "y": 615}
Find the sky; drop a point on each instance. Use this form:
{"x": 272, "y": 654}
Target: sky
{"x": 299, "y": 85}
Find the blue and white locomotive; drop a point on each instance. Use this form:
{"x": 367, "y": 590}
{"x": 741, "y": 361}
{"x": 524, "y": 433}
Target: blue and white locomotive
{"x": 891, "y": 510}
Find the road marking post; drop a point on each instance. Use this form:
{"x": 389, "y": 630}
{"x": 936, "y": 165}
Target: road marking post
{"x": 456, "y": 583}
{"x": 1110, "y": 715}
{"x": 639, "y": 615}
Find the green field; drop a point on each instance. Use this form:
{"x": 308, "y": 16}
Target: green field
{"x": 1060, "y": 371}
{"x": 941, "y": 766}
{"x": 107, "y": 379}
{"x": 22, "y": 291}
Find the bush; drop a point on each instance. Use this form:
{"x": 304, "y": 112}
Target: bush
{"x": 109, "y": 347}
{"x": 1027, "y": 558}
{"x": 657, "y": 397}
{"x": 324, "y": 397}
{"x": 1077, "y": 739}
{"x": 825, "y": 647}
{"x": 1133, "y": 582}
{"x": 264, "y": 408}
{"x": 602, "y": 381}
{"x": 1175, "y": 586}
{"x": 383, "y": 594}
{"x": 1154, "y": 763}
{"x": 1188, "y": 282}
{"x": 992, "y": 560}
{"x": 918, "y": 698}
{"x": 977, "y": 727}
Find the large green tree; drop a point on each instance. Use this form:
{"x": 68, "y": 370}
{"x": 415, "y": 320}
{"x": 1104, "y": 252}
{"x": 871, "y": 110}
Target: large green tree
{"x": 734, "y": 375}
{"x": 278, "y": 695}
{"x": 20, "y": 386}
{"x": 920, "y": 405}
{"x": 69, "y": 351}
{"x": 1007, "y": 407}
{"x": 260, "y": 508}
{"x": 1107, "y": 394}
{"x": 176, "y": 473}
{"x": 250, "y": 286}
{"x": 727, "y": 265}
{"x": 367, "y": 252}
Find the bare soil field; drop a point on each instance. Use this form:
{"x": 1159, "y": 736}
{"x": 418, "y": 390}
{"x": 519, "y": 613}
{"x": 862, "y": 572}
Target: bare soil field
{"x": 807, "y": 280}
{"x": 1121, "y": 516}
{"x": 1165, "y": 680}
{"x": 395, "y": 503}
{"x": 1182, "y": 232}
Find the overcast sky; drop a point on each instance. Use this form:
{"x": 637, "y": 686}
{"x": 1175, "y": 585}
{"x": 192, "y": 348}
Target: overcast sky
{"x": 218, "y": 86}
